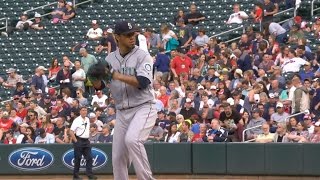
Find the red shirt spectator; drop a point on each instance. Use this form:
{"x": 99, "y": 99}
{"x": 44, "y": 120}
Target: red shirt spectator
{"x": 164, "y": 98}
{"x": 9, "y": 139}
{"x": 21, "y": 110}
{"x": 181, "y": 64}
{"x": 5, "y": 122}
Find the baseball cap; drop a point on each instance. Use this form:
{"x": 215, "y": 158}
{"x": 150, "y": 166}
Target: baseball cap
{"x": 200, "y": 87}
{"x": 230, "y": 101}
{"x": 11, "y": 70}
{"x": 162, "y": 111}
{"x": 24, "y": 125}
{"x": 297, "y": 19}
{"x": 94, "y": 22}
{"x": 307, "y": 117}
{"x": 271, "y": 95}
{"x": 42, "y": 68}
{"x": 47, "y": 96}
{"x": 239, "y": 71}
{"x": 41, "y": 131}
{"x": 188, "y": 100}
{"x": 279, "y": 104}
{"x": 125, "y": 27}
{"x": 213, "y": 87}
{"x": 37, "y": 15}
{"x": 109, "y": 30}
{"x": 256, "y": 110}
{"x": 5, "y": 114}
{"x": 92, "y": 115}
{"x": 317, "y": 124}
{"x": 69, "y": 3}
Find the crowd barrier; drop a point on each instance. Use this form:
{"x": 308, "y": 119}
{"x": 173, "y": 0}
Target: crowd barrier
{"x": 166, "y": 158}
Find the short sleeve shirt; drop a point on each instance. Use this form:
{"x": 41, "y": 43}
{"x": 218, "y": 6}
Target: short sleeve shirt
{"x": 81, "y": 127}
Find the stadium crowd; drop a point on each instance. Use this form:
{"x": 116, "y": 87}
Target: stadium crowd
{"x": 205, "y": 90}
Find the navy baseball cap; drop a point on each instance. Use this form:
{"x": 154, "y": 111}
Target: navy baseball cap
{"x": 125, "y": 27}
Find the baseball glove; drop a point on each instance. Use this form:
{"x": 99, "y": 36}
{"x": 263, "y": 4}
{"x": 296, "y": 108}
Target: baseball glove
{"x": 100, "y": 72}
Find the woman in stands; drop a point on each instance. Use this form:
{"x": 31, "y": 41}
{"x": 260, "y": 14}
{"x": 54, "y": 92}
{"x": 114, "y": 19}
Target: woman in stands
{"x": 273, "y": 48}
{"x": 282, "y": 56}
{"x": 66, "y": 94}
{"x": 173, "y": 134}
{"x": 316, "y": 27}
{"x": 82, "y": 100}
{"x": 79, "y": 76}
{"x": 69, "y": 13}
{"x": 292, "y": 126}
{"x": 179, "y": 15}
{"x": 54, "y": 69}
{"x": 46, "y": 124}
{"x": 29, "y": 137}
{"x": 169, "y": 38}
{"x": 57, "y": 13}
{"x": 300, "y": 134}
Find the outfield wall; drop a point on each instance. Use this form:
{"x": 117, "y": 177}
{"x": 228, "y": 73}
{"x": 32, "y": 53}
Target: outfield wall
{"x": 166, "y": 158}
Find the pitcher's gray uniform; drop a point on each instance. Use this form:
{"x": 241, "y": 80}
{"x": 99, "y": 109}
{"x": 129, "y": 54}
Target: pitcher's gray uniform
{"x": 136, "y": 114}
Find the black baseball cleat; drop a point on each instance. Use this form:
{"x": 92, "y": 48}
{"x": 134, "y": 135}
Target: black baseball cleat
{"x": 92, "y": 177}
{"x": 77, "y": 178}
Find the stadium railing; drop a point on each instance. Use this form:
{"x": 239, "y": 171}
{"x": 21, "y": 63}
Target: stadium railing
{"x": 6, "y": 24}
{"x": 313, "y": 9}
{"x": 244, "y": 133}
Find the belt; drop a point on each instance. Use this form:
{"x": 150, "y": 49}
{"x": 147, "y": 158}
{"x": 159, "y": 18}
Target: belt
{"x": 126, "y": 108}
{"x": 80, "y": 138}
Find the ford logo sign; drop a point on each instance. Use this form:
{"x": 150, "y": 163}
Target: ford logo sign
{"x": 99, "y": 159}
{"x": 31, "y": 159}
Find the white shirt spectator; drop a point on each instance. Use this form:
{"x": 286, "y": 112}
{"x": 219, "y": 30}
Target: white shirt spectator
{"x": 21, "y": 23}
{"x": 99, "y": 125}
{"x": 49, "y": 139}
{"x": 100, "y": 101}
{"x": 293, "y": 65}
{"x": 201, "y": 41}
{"x": 95, "y": 33}
{"x": 174, "y": 138}
{"x": 78, "y": 74}
{"x": 237, "y": 18}
{"x": 276, "y": 29}
{"x": 143, "y": 43}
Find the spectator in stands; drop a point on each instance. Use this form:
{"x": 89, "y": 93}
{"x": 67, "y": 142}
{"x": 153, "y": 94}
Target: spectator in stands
{"x": 141, "y": 41}
{"x": 315, "y": 136}
{"x": 169, "y": 38}
{"x": 13, "y": 79}
{"x": 266, "y": 136}
{"x": 295, "y": 34}
{"x": 99, "y": 100}
{"x": 53, "y": 69}
{"x": 188, "y": 110}
{"x": 94, "y": 135}
{"x": 37, "y": 82}
{"x": 316, "y": 27}
{"x": 216, "y": 133}
{"x": 184, "y": 33}
{"x": 153, "y": 39}
{"x": 21, "y": 110}
{"x": 107, "y": 42}
{"x": 257, "y": 13}
{"x": 293, "y": 64}
{"x": 29, "y": 137}
{"x": 269, "y": 10}
{"x": 57, "y": 13}
{"x": 297, "y": 20}
{"x": 301, "y": 97}
{"x": 105, "y": 136}
{"x": 95, "y": 32}
{"x": 93, "y": 119}
{"x": 164, "y": 98}
{"x": 13, "y": 116}
{"x": 70, "y": 13}
{"x": 300, "y": 134}
{"x": 202, "y": 133}
{"x": 181, "y": 64}
{"x": 162, "y": 64}
{"x": 5, "y": 124}
{"x": 308, "y": 122}
{"x": 194, "y": 17}
{"x": 47, "y": 125}
{"x": 64, "y": 77}
{"x": 23, "y": 23}
{"x": 21, "y": 90}
{"x": 266, "y": 63}
{"x": 173, "y": 134}
{"x": 79, "y": 76}
{"x": 44, "y": 138}
{"x": 255, "y": 121}
{"x": 277, "y": 31}
{"x": 37, "y": 24}
{"x": 9, "y": 139}
{"x": 180, "y": 15}
{"x": 201, "y": 38}
{"x": 281, "y": 133}
{"x": 186, "y": 134}
{"x": 66, "y": 93}
{"x": 156, "y": 133}
{"x": 230, "y": 121}
{"x": 82, "y": 100}
{"x": 238, "y": 16}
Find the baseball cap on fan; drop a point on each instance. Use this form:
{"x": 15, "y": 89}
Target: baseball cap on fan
{"x": 125, "y": 27}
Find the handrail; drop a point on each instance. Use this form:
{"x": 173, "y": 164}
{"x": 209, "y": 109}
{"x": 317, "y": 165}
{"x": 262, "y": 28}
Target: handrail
{"x": 296, "y": 114}
{"x": 6, "y": 27}
{"x": 39, "y": 7}
{"x": 244, "y": 131}
{"x": 230, "y": 30}
{"x": 312, "y": 8}
{"x": 83, "y": 2}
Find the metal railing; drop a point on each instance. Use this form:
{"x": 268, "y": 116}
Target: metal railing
{"x": 6, "y": 27}
{"x": 293, "y": 115}
{"x": 244, "y": 133}
{"x": 312, "y": 8}
{"x": 241, "y": 26}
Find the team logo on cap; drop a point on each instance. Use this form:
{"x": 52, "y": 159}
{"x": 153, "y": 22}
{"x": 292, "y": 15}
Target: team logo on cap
{"x": 129, "y": 26}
